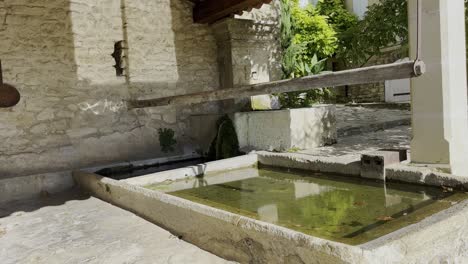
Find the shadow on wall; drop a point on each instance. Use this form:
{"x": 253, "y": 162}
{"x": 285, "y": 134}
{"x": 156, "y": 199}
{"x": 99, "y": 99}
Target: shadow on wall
{"x": 58, "y": 53}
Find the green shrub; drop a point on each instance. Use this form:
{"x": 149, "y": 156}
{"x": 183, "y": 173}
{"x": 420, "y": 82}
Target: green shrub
{"x": 225, "y": 144}
{"x": 310, "y": 97}
{"x": 166, "y": 139}
{"x": 307, "y": 40}
{"x": 337, "y": 15}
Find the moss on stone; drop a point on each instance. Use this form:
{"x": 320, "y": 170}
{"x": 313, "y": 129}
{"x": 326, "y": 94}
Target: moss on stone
{"x": 225, "y": 145}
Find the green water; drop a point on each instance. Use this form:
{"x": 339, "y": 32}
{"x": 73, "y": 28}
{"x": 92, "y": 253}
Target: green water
{"x": 342, "y": 209}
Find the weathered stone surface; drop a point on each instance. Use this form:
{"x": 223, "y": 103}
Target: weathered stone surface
{"x": 373, "y": 164}
{"x": 249, "y": 50}
{"x": 75, "y": 228}
{"x": 265, "y": 102}
{"x": 303, "y": 128}
{"x": 58, "y": 55}
{"x": 203, "y": 129}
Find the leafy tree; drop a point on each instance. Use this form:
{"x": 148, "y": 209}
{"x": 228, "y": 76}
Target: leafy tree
{"x": 312, "y": 30}
{"x": 307, "y": 40}
{"x": 304, "y": 34}
{"x": 385, "y": 24}
{"x": 337, "y": 16}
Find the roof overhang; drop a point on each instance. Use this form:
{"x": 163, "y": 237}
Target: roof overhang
{"x": 210, "y": 11}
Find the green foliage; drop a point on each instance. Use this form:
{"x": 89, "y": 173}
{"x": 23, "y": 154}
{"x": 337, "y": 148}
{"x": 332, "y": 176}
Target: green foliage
{"x": 286, "y": 24}
{"x": 329, "y": 30}
{"x": 306, "y": 37}
{"x": 225, "y": 144}
{"x": 304, "y": 34}
{"x": 310, "y": 97}
{"x": 340, "y": 19}
{"x": 305, "y": 98}
{"x": 312, "y": 30}
{"x": 314, "y": 66}
{"x": 337, "y": 15}
{"x": 385, "y": 24}
{"x": 166, "y": 139}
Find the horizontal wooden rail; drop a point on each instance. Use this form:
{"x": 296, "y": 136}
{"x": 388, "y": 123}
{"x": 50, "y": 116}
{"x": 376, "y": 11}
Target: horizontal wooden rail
{"x": 373, "y": 74}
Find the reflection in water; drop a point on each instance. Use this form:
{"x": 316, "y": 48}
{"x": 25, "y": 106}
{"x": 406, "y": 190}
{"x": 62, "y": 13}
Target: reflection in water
{"x": 268, "y": 213}
{"x": 348, "y": 210}
{"x": 304, "y": 189}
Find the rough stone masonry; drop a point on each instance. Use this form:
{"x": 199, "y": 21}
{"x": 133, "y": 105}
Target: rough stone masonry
{"x": 72, "y": 114}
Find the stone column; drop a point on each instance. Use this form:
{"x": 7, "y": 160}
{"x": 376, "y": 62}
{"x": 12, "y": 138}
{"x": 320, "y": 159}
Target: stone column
{"x": 439, "y": 98}
{"x": 247, "y": 53}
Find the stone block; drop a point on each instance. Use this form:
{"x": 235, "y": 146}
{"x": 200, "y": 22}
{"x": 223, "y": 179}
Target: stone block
{"x": 265, "y": 102}
{"x": 373, "y": 164}
{"x": 203, "y": 130}
{"x": 280, "y": 130}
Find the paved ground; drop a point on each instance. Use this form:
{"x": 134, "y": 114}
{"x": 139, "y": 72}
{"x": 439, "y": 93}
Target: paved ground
{"x": 72, "y": 228}
{"x": 393, "y": 138}
{"x": 358, "y": 120}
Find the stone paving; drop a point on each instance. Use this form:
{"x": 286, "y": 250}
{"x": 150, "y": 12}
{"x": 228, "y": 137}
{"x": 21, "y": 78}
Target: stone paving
{"x": 73, "y": 228}
{"x": 357, "y": 120}
{"x": 394, "y": 138}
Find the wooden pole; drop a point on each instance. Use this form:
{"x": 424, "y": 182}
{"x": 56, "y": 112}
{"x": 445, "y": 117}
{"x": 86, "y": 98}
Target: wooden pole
{"x": 373, "y": 74}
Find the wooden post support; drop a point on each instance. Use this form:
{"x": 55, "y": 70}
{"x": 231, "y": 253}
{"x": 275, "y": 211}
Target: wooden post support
{"x": 373, "y": 74}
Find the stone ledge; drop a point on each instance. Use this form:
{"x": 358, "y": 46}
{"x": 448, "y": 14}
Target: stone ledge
{"x": 245, "y": 240}
{"x": 425, "y": 175}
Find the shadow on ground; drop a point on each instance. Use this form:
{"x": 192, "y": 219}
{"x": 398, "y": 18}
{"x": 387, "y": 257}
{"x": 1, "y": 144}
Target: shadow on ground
{"x": 31, "y": 205}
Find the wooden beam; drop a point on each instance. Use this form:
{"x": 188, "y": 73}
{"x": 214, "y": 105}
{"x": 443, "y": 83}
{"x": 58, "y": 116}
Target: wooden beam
{"x": 210, "y": 11}
{"x": 373, "y": 74}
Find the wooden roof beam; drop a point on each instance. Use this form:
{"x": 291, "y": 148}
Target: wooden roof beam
{"x": 209, "y": 11}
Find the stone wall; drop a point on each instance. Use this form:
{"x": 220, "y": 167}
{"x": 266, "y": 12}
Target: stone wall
{"x": 72, "y": 113}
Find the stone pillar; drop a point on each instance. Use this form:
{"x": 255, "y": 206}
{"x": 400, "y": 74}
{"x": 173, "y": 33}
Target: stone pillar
{"x": 247, "y": 53}
{"x": 439, "y": 98}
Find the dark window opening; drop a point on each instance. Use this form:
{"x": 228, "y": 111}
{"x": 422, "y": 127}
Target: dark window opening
{"x": 117, "y": 55}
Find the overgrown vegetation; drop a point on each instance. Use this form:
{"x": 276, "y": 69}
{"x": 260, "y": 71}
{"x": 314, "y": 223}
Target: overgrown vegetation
{"x": 312, "y": 36}
{"x": 225, "y": 144}
{"x": 166, "y": 139}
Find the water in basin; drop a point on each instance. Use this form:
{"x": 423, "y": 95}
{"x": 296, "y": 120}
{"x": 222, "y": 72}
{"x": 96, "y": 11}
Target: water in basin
{"x": 337, "y": 208}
